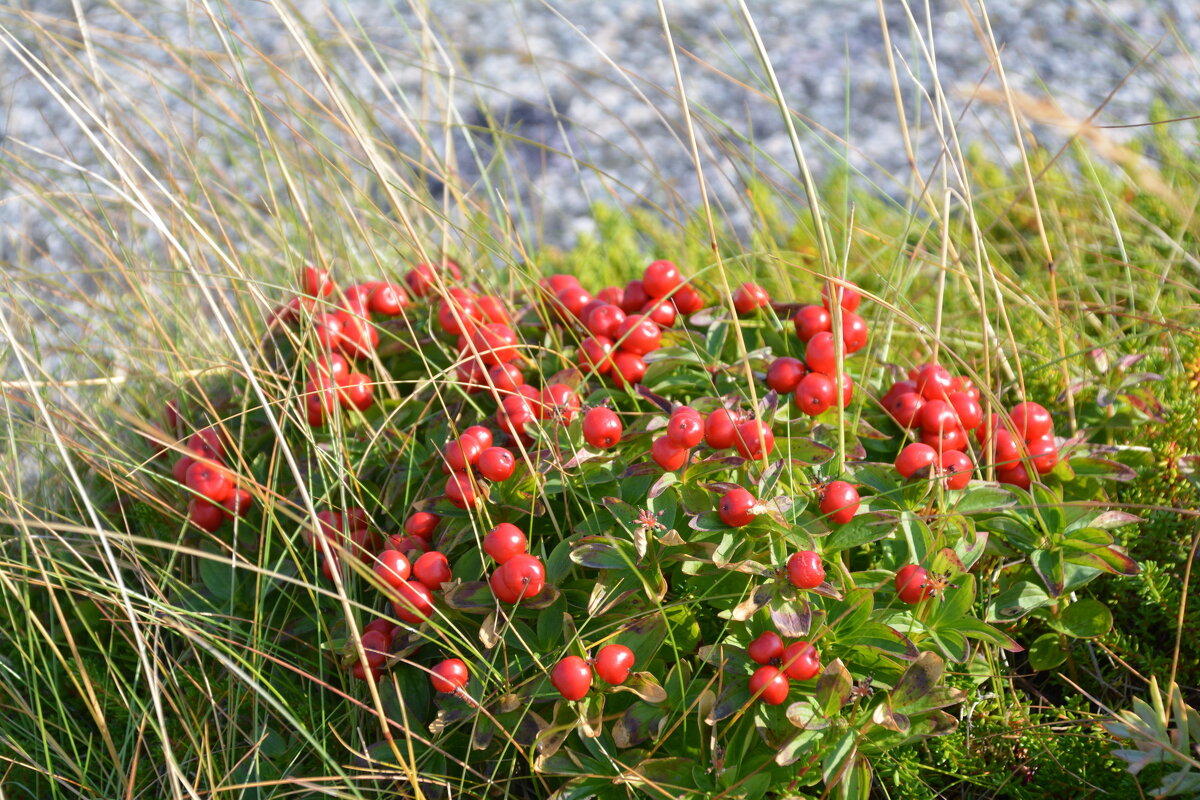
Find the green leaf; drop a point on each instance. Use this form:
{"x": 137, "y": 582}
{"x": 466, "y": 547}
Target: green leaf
{"x": 839, "y": 757}
{"x": 217, "y": 575}
{"x": 1101, "y": 468}
{"x": 1048, "y": 564}
{"x": 918, "y": 680}
{"x": 1085, "y": 619}
{"x": 1016, "y": 601}
{"x": 862, "y": 529}
{"x": 833, "y": 687}
{"x": 974, "y": 629}
{"x": 975, "y": 499}
{"x": 603, "y": 552}
{"x": 918, "y": 536}
{"x": 1108, "y": 559}
{"x": 1046, "y": 652}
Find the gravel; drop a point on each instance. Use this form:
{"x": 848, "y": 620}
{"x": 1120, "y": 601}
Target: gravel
{"x": 598, "y": 92}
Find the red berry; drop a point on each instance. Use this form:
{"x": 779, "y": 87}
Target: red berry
{"x": 634, "y": 297}
{"x": 811, "y": 320}
{"x": 906, "y": 408}
{"x": 805, "y": 570}
{"x": 573, "y": 300}
{"x": 179, "y": 470}
{"x": 801, "y": 661}
{"x": 496, "y": 464}
{"x": 687, "y": 300}
{"x": 422, "y": 524}
{"x": 854, "y": 332}
{"x": 356, "y": 299}
{"x": 1031, "y": 421}
{"x": 769, "y": 685}
{"x": 754, "y": 439}
{"x": 915, "y": 458}
{"x": 506, "y": 378}
{"x": 969, "y": 412}
{"x": 839, "y": 502}
{"x": 330, "y": 524}
{"x": 661, "y": 278}
{"x": 1014, "y": 475}
{"x": 628, "y": 368}
{"x": 912, "y": 584}
{"x": 750, "y": 296}
{"x": 667, "y": 454}
{"x": 500, "y": 588}
{"x": 556, "y": 283}
{"x": 559, "y": 401}
{"x": 938, "y": 416}
{"x": 662, "y": 312}
{"x": 403, "y": 543}
{"x": 205, "y": 515}
{"x": 686, "y": 427}
{"x": 209, "y": 479}
{"x": 238, "y": 503}
{"x": 329, "y": 367}
{"x": 638, "y": 334}
{"x": 388, "y": 299}
{"x": 315, "y": 282}
{"x": 432, "y": 569}
{"x": 514, "y": 413}
{"x": 604, "y": 321}
{"x": 720, "y": 429}
{"x": 846, "y": 291}
{"x": 602, "y": 427}
{"x": 457, "y": 313}
{"x": 358, "y": 337}
{"x": 613, "y": 295}
{"x": 819, "y": 354}
{"x": 459, "y": 490}
{"x": 934, "y": 382}
{"x": 957, "y": 468}
{"x": 949, "y": 439}
{"x": 449, "y": 675}
{"x": 420, "y": 279}
{"x": 412, "y": 602}
{"x": 462, "y": 454}
{"x": 504, "y": 541}
{"x": 356, "y": 391}
{"x": 206, "y": 443}
{"x": 898, "y": 388}
{"x": 480, "y": 434}
{"x": 766, "y": 648}
{"x": 524, "y": 574}
{"x": 375, "y": 647}
{"x": 785, "y": 373}
{"x": 815, "y": 394}
{"x": 393, "y": 568}
{"x": 736, "y": 508}
{"x": 572, "y": 677}
{"x": 595, "y": 354}
{"x": 492, "y": 309}
{"x": 494, "y": 343}
{"x": 1043, "y": 452}
{"x": 613, "y": 663}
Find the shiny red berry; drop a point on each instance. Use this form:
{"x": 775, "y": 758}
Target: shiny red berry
{"x": 422, "y": 524}
{"x": 524, "y": 574}
{"x": 785, "y": 373}
{"x": 839, "y": 502}
{"x": 769, "y": 685}
{"x": 315, "y": 282}
{"x": 956, "y": 467}
{"x": 572, "y": 677}
{"x": 1031, "y": 420}
{"x": 846, "y": 291}
{"x": 720, "y": 429}
{"x": 815, "y": 394}
{"x": 459, "y": 490}
{"x": 613, "y": 663}
{"x": 504, "y": 541}
{"x": 811, "y": 320}
{"x": 766, "y": 648}
{"x": 602, "y": 427}
{"x": 393, "y": 568}
{"x": 686, "y": 427}
{"x": 412, "y": 602}
{"x": 667, "y": 454}
{"x": 638, "y": 334}
{"x": 661, "y": 278}
{"x": 754, "y": 439}
{"x": 736, "y": 508}
{"x": 819, "y": 354}
{"x": 801, "y": 661}
{"x": 805, "y": 570}
{"x": 496, "y": 464}
{"x": 915, "y": 458}
{"x": 449, "y": 675}
{"x": 912, "y": 584}
{"x": 750, "y": 296}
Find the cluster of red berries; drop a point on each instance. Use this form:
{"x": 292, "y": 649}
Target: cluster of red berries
{"x": 721, "y": 429}
{"x": 215, "y": 495}
{"x": 556, "y": 402}
{"x": 519, "y": 576}
{"x": 944, "y": 408}
{"x": 1028, "y": 434}
{"x": 799, "y": 661}
{"x": 623, "y": 325}
{"x": 474, "y": 453}
{"x": 343, "y": 334}
{"x": 572, "y": 676}
{"x": 813, "y": 381}
{"x": 377, "y": 639}
{"x": 410, "y": 583}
